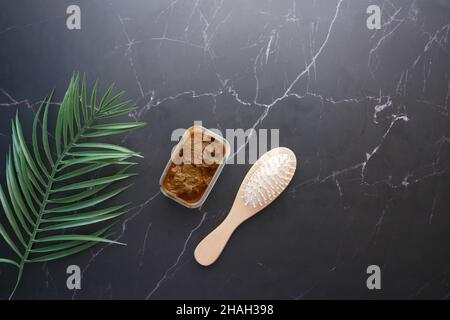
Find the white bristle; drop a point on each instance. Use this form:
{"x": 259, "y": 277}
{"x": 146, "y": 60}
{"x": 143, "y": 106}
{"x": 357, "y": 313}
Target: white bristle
{"x": 269, "y": 180}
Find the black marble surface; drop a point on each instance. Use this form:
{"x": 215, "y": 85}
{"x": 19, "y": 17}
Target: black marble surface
{"x": 366, "y": 111}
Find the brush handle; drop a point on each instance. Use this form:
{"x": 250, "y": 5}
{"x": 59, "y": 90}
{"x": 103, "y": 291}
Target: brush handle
{"x": 210, "y": 248}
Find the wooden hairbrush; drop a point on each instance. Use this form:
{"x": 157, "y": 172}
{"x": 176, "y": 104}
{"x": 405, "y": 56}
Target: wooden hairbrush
{"x": 264, "y": 182}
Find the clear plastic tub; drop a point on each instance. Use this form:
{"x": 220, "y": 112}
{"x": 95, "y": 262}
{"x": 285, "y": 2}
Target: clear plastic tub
{"x": 176, "y": 151}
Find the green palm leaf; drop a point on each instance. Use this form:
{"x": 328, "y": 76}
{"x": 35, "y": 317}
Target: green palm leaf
{"x": 57, "y": 185}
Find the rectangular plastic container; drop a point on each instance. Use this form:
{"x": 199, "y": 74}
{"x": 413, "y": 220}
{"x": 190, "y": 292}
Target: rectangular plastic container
{"x": 176, "y": 150}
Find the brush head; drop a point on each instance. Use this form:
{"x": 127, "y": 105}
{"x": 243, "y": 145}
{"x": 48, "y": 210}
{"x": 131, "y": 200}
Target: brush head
{"x": 268, "y": 177}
